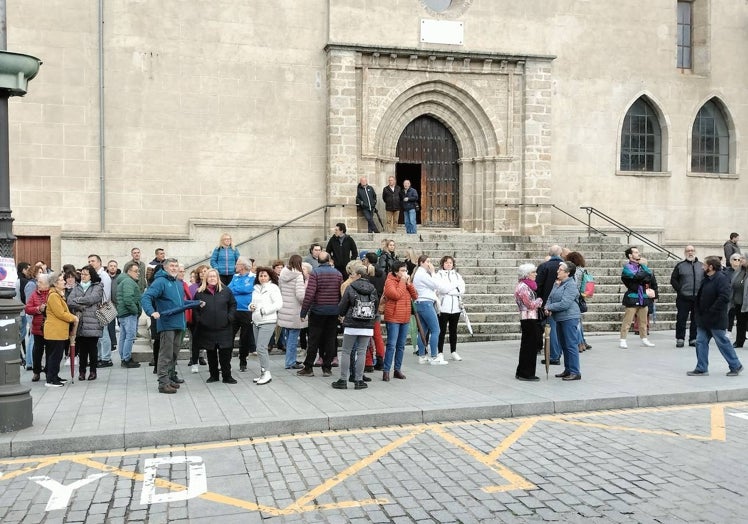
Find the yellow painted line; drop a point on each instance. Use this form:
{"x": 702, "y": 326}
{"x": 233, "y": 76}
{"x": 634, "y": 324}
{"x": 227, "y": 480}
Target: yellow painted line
{"x": 718, "y": 423}
{"x": 29, "y": 469}
{"x": 511, "y": 439}
{"x": 173, "y": 486}
{"x": 515, "y": 481}
{"x": 352, "y": 470}
{"x": 644, "y": 431}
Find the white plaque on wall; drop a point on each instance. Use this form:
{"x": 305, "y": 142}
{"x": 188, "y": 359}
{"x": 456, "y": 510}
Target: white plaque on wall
{"x": 442, "y": 32}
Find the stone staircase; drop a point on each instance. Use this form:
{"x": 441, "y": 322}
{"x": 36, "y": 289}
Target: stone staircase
{"x": 488, "y": 263}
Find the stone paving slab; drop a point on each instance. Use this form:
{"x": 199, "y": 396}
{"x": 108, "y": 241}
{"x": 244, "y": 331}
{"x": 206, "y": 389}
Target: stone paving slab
{"x": 124, "y": 409}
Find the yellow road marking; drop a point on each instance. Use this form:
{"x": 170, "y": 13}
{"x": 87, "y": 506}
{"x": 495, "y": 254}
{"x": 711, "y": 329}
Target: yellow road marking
{"x": 304, "y": 503}
{"x": 489, "y": 459}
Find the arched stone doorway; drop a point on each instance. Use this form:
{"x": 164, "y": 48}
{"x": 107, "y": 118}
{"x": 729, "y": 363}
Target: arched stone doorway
{"x": 428, "y": 157}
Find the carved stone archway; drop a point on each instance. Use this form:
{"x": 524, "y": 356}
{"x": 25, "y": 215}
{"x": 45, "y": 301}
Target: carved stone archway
{"x": 497, "y": 108}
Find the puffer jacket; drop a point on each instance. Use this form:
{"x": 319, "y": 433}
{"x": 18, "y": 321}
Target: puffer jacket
{"x": 267, "y": 300}
{"x": 33, "y": 305}
{"x": 451, "y": 302}
{"x": 292, "y": 287}
{"x": 165, "y": 294}
{"x": 213, "y": 322}
{"x": 84, "y": 304}
{"x": 345, "y": 308}
{"x": 397, "y": 308}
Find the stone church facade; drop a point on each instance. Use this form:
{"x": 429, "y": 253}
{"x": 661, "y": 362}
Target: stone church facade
{"x": 162, "y": 124}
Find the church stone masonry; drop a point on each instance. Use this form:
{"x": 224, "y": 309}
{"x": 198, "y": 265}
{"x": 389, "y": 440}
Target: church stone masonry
{"x": 497, "y": 107}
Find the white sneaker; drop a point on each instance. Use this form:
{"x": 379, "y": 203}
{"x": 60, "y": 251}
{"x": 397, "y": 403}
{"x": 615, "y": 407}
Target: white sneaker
{"x": 195, "y": 369}
{"x": 647, "y": 343}
{"x": 264, "y": 378}
{"x": 424, "y": 360}
{"x": 436, "y": 362}
{"x": 440, "y": 357}
{"x": 622, "y": 344}
{"x": 455, "y": 356}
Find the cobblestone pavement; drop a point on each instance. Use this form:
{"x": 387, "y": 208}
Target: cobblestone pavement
{"x": 666, "y": 464}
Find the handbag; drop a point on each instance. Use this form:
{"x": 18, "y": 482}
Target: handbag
{"x": 106, "y": 313}
{"x": 582, "y": 305}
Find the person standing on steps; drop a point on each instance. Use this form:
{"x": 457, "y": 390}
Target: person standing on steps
{"x": 366, "y": 201}
{"x": 409, "y": 204}
{"x": 641, "y": 289}
{"x": 391, "y": 199}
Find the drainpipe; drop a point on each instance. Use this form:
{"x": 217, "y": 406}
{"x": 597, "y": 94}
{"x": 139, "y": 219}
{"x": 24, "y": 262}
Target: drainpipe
{"x": 102, "y": 142}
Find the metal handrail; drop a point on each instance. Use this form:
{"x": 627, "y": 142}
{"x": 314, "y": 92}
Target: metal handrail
{"x": 627, "y": 230}
{"x": 580, "y": 221}
{"x": 564, "y": 212}
{"x": 277, "y": 230}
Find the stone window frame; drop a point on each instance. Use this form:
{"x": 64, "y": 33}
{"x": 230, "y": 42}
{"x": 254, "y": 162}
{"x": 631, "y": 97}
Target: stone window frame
{"x": 664, "y": 127}
{"x": 731, "y": 161}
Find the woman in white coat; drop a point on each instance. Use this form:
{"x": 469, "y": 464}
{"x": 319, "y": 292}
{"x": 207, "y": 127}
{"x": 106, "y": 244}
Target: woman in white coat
{"x": 450, "y": 305}
{"x": 292, "y": 288}
{"x": 266, "y": 302}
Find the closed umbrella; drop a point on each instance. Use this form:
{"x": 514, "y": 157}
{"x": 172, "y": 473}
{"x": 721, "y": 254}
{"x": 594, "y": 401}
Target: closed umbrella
{"x": 547, "y": 349}
{"x": 464, "y": 316}
{"x": 73, "y": 333}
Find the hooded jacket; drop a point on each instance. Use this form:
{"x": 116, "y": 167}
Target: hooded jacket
{"x": 267, "y": 300}
{"x": 86, "y": 303}
{"x": 293, "y": 288}
{"x": 164, "y": 294}
{"x": 358, "y": 287}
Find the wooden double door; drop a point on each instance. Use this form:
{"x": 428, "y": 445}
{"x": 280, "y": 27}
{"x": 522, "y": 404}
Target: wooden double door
{"x": 428, "y": 156}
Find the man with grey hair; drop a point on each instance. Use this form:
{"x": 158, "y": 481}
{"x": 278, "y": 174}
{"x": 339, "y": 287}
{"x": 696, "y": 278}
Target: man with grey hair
{"x": 242, "y": 285}
{"x": 686, "y": 280}
{"x": 546, "y": 278}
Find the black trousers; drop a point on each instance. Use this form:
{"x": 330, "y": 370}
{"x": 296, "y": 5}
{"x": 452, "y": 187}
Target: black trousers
{"x": 686, "y": 308}
{"x": 741, "y": 326}
{"x": 528, "y": 348}
{"x": 450, "y": 319}
{"x": 87, "y": 352}
{"x": 54, "y": 356}
{"x": 219, "y": 356}
{"x": 243, "y": 326}
{"x": 38, "y": 352}
{"x": 322, "y": 338}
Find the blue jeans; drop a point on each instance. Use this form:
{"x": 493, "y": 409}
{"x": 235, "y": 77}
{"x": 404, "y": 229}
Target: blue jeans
{"x": 568, "y": 336}
{"x": 128, "y": 328}
{"x": 396, "y": 335}
{"x": 410, "y": 220}
{"x": 292, "y": 344}
{"x": 105, "y": 346}
{"x": 430, "y": 324}
{"x": 555, "y": 347}
{"x": 703, "y": 336}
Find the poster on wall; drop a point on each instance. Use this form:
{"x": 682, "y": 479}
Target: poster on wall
{"x": 8, "y": 274}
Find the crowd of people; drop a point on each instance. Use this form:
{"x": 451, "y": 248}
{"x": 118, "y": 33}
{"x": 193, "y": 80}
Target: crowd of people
{"x": 297, "y": 307}
{"x": 552, "y": 298}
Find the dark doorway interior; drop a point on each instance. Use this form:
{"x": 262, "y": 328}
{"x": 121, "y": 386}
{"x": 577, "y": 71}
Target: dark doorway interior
{"x": 410, "y": 172}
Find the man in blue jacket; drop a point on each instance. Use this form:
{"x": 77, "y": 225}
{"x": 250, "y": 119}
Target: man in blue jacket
{"x": 242, "y": 285}
{"x": 712, "y": 303}
{"x": 162, "y": 301}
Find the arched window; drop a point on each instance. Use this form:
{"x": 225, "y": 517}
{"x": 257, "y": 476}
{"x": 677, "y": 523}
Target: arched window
{"x": 641, "y": 139}
{"x": 710, "y": 141}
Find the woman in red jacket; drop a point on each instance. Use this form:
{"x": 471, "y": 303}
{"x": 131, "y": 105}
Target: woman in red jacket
{"x": 398, "y": 293}
{"x": 36, "y": 305}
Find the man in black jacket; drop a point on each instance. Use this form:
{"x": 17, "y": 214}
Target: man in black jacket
{"x": 342, "y": 248}
{"x": 366, "y": 200}
{"x": 546, "y": 278}
{"x": 391, "y": 199}
{"x": 686, "y": 280}
{"x": 712, "y": 302}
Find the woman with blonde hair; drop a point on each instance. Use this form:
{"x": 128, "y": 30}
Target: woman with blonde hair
{"x": 224, "y": 258}
{"x": 56, "y": 328}
{"x": 213, "y": 322}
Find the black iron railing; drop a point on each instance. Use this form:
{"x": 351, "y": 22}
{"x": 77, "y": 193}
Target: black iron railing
{"x": 277, "y": 230}
{"x": 626, "y": 230}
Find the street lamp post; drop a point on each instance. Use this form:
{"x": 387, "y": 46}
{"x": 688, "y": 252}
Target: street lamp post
{"x": 15, "y": 401}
